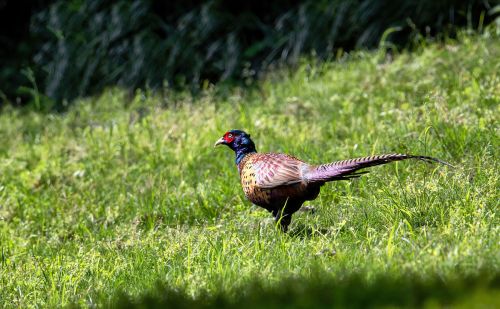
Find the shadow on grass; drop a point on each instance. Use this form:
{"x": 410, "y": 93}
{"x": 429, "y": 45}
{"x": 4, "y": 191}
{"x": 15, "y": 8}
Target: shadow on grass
{"x": 354, "y": 291}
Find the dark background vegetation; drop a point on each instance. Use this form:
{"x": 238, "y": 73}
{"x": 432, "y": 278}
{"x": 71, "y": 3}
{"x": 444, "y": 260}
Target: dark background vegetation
{"x": 54, "y": 51}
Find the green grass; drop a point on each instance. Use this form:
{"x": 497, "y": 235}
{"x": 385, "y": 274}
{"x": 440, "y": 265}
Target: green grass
{"x": 124, "y": 196}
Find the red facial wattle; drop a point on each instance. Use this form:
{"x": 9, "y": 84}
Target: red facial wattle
{"x": 228, "y": 137}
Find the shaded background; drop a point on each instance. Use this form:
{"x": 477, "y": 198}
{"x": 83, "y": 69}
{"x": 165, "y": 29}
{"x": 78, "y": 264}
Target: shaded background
{"x": 54, "y": 51}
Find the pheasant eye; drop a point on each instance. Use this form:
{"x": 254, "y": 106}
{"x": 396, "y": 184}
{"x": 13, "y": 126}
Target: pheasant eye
{"x": 230, "y": 136}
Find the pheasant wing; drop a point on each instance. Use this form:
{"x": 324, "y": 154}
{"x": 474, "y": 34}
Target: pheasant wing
{"x": 274, "y": 170}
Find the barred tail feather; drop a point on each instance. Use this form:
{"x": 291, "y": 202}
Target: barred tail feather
{"x": 347, "y": 169}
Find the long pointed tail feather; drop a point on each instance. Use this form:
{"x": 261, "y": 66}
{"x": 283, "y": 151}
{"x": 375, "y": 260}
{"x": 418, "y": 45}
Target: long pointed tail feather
{"x": 347, "y": 169}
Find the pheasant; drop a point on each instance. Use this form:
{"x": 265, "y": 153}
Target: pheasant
{"x": 281, "y": 183}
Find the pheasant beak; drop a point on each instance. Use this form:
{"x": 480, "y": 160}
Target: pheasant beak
{"x": 221, "y": 141}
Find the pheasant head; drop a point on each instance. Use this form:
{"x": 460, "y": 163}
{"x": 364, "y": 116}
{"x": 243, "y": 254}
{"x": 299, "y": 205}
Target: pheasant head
{"x": 239, "y": 141}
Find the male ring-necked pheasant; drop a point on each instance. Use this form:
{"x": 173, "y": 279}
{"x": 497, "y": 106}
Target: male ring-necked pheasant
{"x": 281, "y": 183}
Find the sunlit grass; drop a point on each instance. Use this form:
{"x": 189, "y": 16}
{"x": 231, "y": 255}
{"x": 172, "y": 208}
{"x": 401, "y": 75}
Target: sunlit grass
{"x": 119, "y": 194}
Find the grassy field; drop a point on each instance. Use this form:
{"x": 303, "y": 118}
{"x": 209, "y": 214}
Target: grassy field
{"x": 123, "y": 200}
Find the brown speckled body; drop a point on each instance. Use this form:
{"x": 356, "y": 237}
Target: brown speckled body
{"x": 265, "y": 187}
{"x": 258, "y": 196}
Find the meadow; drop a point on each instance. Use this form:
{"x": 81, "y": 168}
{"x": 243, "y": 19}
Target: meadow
{"x": 122, "y": 199}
